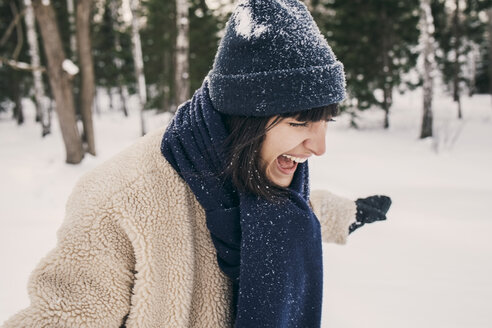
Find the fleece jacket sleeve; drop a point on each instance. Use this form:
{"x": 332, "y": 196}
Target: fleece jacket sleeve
{"x": 335, "y": 214}
{"x": 86, "y": 280}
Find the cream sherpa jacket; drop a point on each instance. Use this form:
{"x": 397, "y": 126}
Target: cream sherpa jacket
{"x": 134, "y": 251}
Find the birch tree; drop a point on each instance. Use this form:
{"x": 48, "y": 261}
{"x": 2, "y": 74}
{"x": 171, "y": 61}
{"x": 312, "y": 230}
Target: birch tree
{"x": 429, "y": 65}
{"x": 456, "y": 60}
{"x": 159, "y": 44}
{"x": 87, "y": 72}
{"x": 60, "y": 82}
{"x": 182, "y": 76}
{"x": 42, "y": 109}
{"x": 138, "y": 61}
{"x": 459, "y": 32}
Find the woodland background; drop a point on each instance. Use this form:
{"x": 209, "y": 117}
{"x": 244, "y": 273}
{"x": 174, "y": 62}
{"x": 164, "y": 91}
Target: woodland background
{"x": 64, "y": 54}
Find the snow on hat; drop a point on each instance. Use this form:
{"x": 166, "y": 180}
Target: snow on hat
{"x": 272, "y": 60}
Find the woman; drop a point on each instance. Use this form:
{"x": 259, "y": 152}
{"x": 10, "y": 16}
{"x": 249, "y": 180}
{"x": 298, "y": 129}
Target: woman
{"x": 210, "y": 223}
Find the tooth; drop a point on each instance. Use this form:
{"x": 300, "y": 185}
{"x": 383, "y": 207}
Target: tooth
{"x": 296, "y": 159}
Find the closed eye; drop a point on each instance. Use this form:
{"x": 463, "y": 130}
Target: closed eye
{"x": 298, "y": 124}
{"x": 306, "y": 123}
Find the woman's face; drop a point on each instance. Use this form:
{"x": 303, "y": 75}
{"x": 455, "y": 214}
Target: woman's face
{"x": 288, "y": 143}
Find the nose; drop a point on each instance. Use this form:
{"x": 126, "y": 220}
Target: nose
{"x": 316, "y": 142}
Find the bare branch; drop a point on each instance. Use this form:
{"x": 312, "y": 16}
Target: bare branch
{"x": 12, "y": 24}
{"x": 20, "y": 65}
{"x": 18, "y": 27}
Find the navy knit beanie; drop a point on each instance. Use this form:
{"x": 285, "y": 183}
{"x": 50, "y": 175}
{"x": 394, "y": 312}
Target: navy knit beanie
{"x": 272, "y": 60}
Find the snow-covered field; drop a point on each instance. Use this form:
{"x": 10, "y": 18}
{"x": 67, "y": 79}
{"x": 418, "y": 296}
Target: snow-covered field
{"x": 428, "y": 265}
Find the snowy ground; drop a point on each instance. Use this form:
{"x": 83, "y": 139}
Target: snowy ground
{"x": 429, "y": 265}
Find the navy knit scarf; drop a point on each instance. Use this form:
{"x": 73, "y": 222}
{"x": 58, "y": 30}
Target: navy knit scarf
{"x": 271, "y": 251}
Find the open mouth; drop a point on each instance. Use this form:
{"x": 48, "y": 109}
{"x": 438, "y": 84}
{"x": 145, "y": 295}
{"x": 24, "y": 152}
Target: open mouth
{"x": 286, "y": 165}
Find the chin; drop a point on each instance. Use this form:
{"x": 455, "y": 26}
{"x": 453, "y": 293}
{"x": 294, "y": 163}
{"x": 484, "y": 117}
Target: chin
{"x": 282, "y": 182}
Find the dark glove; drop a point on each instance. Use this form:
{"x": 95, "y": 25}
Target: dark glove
{"x": 370, "y": 209}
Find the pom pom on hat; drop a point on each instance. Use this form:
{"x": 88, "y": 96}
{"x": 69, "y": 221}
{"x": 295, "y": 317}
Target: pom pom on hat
{"x": 272, "y": 60}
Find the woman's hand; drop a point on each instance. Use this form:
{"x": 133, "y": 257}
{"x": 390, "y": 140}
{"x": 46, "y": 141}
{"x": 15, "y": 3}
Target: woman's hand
{"x": 370, "y": 209}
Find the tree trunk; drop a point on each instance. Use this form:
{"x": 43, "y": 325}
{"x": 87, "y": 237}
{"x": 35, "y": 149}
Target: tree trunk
{"x": 353, "y": 117}
{"x": 386, "y": 107}
{"x": 32, "y": 40}
{"x": 87, "y": 72}
{"x": 473, "y": 58}
{"x": 182, "y": 76}
{"x": 123, "y": 99}
{"x": 427, "y": 40}
{"x": 16, "y": 81}
{"x": 110, "y": 97}
{"x": 387, "y": 94}
{"x": 16, "y": 95}
{"x": 386, "y": 86}
{"x": 94, "y": 103}
{"x": 61, "y": 85}
{"x": 456, "y": 64}
{"x": 138, "y": 61}
{"x": 97, "y": 108}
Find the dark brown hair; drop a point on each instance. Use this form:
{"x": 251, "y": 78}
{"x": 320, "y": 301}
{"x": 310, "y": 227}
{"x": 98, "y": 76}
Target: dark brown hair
{"x": 246, "y": 134}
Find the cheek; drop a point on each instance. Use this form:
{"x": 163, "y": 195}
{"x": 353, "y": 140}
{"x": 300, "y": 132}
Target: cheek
{"x": 281, "y": 139}
{"x": 278, "y": 144}
{"x": 290, "y": 137}
{"x": 265, "y": 151}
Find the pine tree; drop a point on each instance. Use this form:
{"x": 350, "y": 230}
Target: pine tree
{"x": 204, "y": 40}
{"x": 375, "y": 39}
{"x": 158, "y": 42}
{"x": 459, "y": 32}
{"x": 14, "y": 82}
{"x": 484, "y": 67}
{"x": 112, "y": 51}
{"x": 475, "y": 30}
{"x": 62, "y": 20}
{"x": 488, "y": 65}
